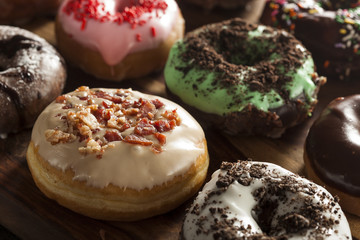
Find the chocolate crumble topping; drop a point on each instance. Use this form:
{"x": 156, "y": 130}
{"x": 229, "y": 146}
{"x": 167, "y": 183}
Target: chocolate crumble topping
{"x": 228, "y": 51}
{"x": 285, "y": 206}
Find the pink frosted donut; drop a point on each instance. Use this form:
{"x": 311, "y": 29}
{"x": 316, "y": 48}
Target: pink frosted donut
{"x": 117, "y": 39}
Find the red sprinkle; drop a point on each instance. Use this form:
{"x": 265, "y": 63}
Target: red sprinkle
{"x": 153, "y": 32}
{"x": 138, "y": 37}
{"x": 83, "y": 10}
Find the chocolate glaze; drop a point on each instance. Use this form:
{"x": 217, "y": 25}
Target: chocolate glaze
{"x": 15, "y": 98}
{"x": 9, "y": 47}
{"x": 252, "y": 121}
{"x": 32, "y": 74}
{"x": 333, "y": 144}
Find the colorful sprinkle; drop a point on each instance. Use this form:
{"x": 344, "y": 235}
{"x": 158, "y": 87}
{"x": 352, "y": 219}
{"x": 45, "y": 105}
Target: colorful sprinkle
{"x": 153, "y": 32}
{"x": 326, "y": 64}
{"x": 349, "y": 21}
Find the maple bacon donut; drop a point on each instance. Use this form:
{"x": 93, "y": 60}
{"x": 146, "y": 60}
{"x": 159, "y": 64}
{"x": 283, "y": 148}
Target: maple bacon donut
{"x": 109, "y": 153}
{"x": 254, "y": 200}
{"x": 243, "y": 78}
{"x": 117, "y": 39}
{"x": 20, "y": 11}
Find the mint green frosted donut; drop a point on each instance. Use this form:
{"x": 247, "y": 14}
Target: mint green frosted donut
{"x": 244, "y": 74}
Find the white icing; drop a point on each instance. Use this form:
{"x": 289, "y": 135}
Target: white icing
{"x": 238, "y": 201}
{"x": 126, "y": 165}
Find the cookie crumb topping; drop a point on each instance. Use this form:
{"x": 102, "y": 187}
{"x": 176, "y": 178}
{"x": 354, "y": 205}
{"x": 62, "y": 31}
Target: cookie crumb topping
{"x": 281, "y": 205}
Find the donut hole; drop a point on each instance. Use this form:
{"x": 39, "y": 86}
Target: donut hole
{"x": 281, "y": 211}
{"x": 250, "y": 56}
{"x": 238, "y": 50}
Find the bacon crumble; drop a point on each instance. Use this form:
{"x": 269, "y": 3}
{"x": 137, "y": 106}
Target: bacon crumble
{"x": 99, "y": 118}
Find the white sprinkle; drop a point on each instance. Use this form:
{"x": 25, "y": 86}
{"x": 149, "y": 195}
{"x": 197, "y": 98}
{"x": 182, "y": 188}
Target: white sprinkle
{"x": 347, "y": 71}
{"x": 348, "y": 43}
{"x": 346, "y": 38}
{"x": 349, "y": 27}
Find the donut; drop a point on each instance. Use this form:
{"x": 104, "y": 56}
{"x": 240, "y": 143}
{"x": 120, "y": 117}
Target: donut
{"x": 32, "y": 74}
{"x": 254, "y": 200}
{"x": 21, "y": 11}
{"x": 114, "y": 39}
{"x": 328, "y": 29}
{"x": 202, "y": 12}
{"x": 117, "y": 154}
{"x": 243, "y": 78}
{"x": 211, "y": 4}
{"x": 332, "y": 151}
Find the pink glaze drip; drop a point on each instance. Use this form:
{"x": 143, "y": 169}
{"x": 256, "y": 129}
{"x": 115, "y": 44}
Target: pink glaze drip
{"x": 115, "y": 30}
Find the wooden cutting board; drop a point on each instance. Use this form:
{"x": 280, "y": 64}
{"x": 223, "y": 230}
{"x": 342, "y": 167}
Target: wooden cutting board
{"x": 26, "y": 212}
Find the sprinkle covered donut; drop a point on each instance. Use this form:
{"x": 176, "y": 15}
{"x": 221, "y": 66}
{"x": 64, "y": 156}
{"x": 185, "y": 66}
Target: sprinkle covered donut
{"x": 109, "y": 153}
{"x": 32, "y": 74}
{"x": 328, "y": 29}
{"x": 117, "y": 39}
{"x": 332, "y": 151}
{"x": 253, "y": 200}
{"x": 244, "y": 78}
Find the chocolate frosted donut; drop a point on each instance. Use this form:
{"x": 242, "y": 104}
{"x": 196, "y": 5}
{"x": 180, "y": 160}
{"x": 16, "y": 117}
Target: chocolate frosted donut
{"x": 253, "y": 200}
{"x": 328, "y": 29}
{"x": 20, "y": 11}
{"x": 226, "y": 4}
{"x": 332, "y": 151}
{"x": 32, "y": 74}
{"x": 244, "y": 78}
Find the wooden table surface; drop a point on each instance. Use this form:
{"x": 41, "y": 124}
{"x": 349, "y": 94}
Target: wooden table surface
{"x": 28, "y": 214}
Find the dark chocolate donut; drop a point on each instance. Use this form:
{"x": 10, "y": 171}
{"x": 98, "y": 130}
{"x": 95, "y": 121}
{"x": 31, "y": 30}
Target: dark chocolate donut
{"x": 332, "y": 151}
{"x": 201, "y": 12}
{"x": 328, "y": 29}
{"x": 32, "y": 74}
{"x": 244, "y": 78}
{"x": 21, "y": 11}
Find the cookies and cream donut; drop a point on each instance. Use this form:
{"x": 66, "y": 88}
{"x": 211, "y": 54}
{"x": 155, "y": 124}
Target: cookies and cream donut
{"x": 117, "y": 154}
{"x": 32, "y": 74}
{"x": 117, "y": 39}
{"x": 243, "y": 78}
{"x": 254, "y": 200}
{"x": 332, "y": 151}
{"x": 329, "y": 29}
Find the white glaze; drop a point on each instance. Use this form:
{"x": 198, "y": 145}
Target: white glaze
{"x": 126, "y": 165}
{"x": 240, "y": 202}
{"x": 113, "y": 41}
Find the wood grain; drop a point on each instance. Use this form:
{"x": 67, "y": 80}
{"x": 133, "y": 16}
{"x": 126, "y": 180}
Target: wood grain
{"x": 30, "y": 215}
